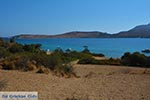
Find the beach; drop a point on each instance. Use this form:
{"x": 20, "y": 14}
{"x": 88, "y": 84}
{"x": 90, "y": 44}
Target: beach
{"x": 96, "y": 82}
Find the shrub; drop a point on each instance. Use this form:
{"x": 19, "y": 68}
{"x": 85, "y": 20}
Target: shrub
{"x": 15, "y": 62}
{"x": 5, "y": 44}
{"x": 32, "y": 47}
{"x": 22, "y": 63}
{"x": 86, "y": 50}
{"x": 4, "y": 52}
{"x": 113, "y": 61}
{"x": 147, "y": 64}
{"x": 12, "y": 40}
{"x": 54, "y": 61}
{"x": 58, "y": 50}
{"x": 125, "y": 59}
{"x": 135, "y": 59}
{"x": 15, "y": 48}
{"x": 49, "y": 61}
{"x": 66, "y": 69}
{"x": 91, "y": 60}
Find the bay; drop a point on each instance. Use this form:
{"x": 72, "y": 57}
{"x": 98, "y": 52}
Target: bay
{"x": 110, "y": 47}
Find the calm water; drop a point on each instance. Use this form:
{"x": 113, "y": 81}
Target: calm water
{"x": 114, "y": 47}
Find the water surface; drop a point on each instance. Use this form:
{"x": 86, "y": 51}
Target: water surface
{"x": 111, "y": 47}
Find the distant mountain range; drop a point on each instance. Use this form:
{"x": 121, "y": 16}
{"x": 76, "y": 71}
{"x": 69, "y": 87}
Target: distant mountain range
{"x": 141, "y": 31}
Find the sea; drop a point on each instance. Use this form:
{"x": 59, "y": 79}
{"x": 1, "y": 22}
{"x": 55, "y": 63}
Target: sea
{"x": 110, "y": 47}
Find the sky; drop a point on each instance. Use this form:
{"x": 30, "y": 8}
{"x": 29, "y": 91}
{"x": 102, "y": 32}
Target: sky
{"x": 60, "y": 16}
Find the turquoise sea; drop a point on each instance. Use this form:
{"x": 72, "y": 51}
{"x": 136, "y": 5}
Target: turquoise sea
{"x": 110, "y": 47}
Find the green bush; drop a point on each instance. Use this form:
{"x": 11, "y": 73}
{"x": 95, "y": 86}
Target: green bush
{"x": 113, "y": 61}
{"x": 32, "y": 47}
{"x": 135, "y": 59}
{"x": 15, "y": 48}
{"x": 91, "y": 60}
{"x": 54, "y": 62}
{"x": 66, "y": 69}
{"x": 49, "y": 61}
{"x": 147, "y": 62}
{"x": 4, "y": 52}
{"x": 86, "y": 50}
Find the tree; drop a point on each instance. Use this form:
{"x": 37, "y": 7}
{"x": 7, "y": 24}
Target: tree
{"x": 86, "y": 50}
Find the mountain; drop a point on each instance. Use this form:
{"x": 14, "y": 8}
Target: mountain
{"x": 75, "y": 34}
{"x": 141, "y": 31}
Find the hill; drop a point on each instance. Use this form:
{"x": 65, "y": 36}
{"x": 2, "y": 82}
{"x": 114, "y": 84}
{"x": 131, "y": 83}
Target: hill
{"x": 141, "y": 31}
{"x": 74, "y": 34}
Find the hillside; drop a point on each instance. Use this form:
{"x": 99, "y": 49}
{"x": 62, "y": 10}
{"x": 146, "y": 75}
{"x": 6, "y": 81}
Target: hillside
{"x": 141, "y": 31}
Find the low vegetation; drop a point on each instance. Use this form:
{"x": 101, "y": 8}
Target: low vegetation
{"x": 91, "y": 60}
{"x": 135, "y": 59}
{"x": 128, "y": 59}
{"x": 28, "y": 57}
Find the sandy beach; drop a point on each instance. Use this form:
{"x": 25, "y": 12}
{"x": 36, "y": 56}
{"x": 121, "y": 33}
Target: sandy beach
{"x": 96, "y": 82}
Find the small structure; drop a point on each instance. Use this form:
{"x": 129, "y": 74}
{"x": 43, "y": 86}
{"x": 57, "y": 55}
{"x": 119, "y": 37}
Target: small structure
{"x": 48, "y": 52}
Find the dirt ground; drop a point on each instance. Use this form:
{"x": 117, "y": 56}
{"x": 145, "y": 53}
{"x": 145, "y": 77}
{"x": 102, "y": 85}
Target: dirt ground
{"x": 96, "y": 82}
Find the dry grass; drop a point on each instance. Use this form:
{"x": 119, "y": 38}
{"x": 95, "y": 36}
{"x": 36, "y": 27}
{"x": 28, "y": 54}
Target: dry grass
{"x": 120, "y": 84}
{"x": 3, "y": 84}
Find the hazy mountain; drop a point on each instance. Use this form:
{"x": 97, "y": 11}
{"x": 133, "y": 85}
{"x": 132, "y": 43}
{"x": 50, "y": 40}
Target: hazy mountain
{"x": 141, "y": 31}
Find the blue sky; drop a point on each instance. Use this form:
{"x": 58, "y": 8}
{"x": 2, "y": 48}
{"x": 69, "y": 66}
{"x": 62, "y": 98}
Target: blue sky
{"x": 59, "y": 16}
